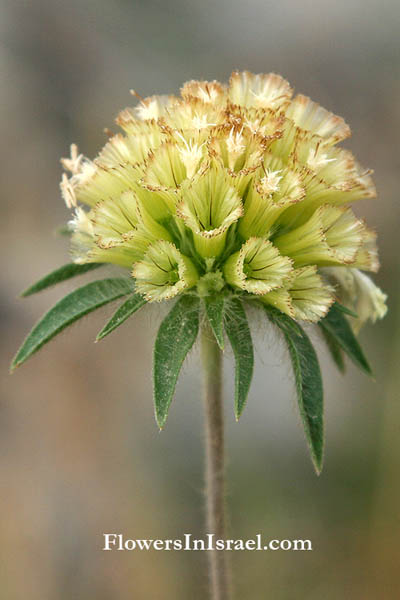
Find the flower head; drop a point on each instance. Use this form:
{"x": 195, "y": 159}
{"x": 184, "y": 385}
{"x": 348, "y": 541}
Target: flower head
{"x": 241, "y": 183}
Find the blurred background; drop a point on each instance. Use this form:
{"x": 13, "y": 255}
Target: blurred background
{"x": 80, "y": 451}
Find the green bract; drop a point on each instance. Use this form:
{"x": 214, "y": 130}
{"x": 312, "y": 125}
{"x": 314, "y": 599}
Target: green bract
{"x": 224, "y": 196}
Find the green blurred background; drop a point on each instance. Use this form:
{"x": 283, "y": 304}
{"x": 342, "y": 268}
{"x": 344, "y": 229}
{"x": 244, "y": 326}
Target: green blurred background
{"x": 80, "y": 451}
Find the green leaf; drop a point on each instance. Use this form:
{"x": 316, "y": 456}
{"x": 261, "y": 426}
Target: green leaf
{"x": 308, "y": 383}
{"x": 339, "y": 327}
{"x": 288, "y": 324}
{"x": 346, "y": 310}
{"x": 175, "y": 338}
{"x": 237, "y": 329}
{"x": 215, "y": 313}
{"x": 335, "y": 350}
{"x": 62, "y": 274}
{"x": 122, "y": 314}
{"x": 71, "y": 308}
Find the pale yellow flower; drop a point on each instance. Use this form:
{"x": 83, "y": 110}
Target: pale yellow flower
{"x": 238, "y": 189}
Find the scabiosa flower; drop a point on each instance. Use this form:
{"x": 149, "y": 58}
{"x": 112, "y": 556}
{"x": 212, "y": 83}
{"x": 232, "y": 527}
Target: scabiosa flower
{"x": 222, "y": 196}
{"x": 241, "y": 180}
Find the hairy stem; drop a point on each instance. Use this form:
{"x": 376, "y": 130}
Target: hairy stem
{"x": 220, "y": 579}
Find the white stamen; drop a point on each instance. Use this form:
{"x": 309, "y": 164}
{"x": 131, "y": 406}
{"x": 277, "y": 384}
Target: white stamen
{"x": 253, "y": 125}
{"x": 190, "y": 155}
{"x": 270, "y": 182}
{"x": 318, "y": 161}
{"x": 148, "y": 110}
{"x": 81, "y": 222}
{"x": 265, "y": 97}
{"x": 74, "y": 163}
{"x": 68, "y": 192}
{"x": 200, "y": 121}
{"x": 208, "y": 95}
{"x": 235, "y": 143}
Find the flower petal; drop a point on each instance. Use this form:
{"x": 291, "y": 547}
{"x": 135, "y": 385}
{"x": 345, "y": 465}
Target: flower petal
{"x": 260, "y": 91}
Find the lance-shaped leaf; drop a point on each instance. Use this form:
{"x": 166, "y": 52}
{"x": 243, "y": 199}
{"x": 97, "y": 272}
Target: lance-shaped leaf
{"x": 122, "y": 314}
{"x": 344, "y": 309}
{"x": 215, "y": 313}
{"x": 308, "y": 382}
{"x": 68, "y": 310}
{"x": 335, "y": 350}
{"x": 338, "y": 326}
{"x": 175, "y": 338}
{"x": 62, "y": 274}
{"x": 238, "y": 331}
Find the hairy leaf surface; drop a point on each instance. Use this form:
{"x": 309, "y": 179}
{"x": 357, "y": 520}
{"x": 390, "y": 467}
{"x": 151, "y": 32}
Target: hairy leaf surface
{"x": 308, "y": 382}
{"x": 130, "y": 306}
{"x": 215, "y": 313}
{"x": 238, "y": 331}
{"x": 62, "y": 274}
{"x": 175, "y": 337}
{"x": 339, "y": 328}
{"x": 335, "y": 349}
{"x": 68, "y": 310}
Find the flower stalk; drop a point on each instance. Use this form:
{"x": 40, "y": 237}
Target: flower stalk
{"x": 219, "y": 572}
